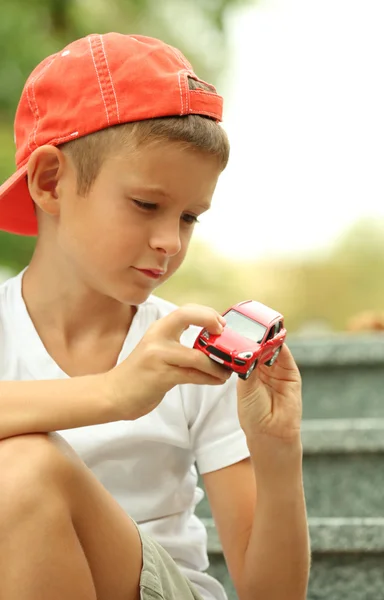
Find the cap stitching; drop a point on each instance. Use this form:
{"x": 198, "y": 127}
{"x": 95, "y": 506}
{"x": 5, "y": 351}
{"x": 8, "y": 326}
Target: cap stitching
{"x": 105, "y": 79}
{"x": 110, "y": 76}
{"x": 98, "y": 78}
{"x": 64, "y": 138}
{"x": 205, "y": 93}
{"x": 36, "y": 111}
{"x": 184, "y": 82}
{"x": 181, "y": 93}
{"x": 187, "y": 91}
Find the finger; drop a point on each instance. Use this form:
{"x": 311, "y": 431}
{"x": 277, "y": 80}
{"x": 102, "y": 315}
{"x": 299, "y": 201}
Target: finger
{"x": 174, "y": 324}
{"x": 189, "y": 358}
{"x": 198, "y": 378}
{"x": 284, "y": 369}
{"x": 285, "y": 360}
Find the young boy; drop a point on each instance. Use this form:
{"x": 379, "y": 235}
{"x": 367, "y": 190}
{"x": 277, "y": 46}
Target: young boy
{"x": 119, "y": 149}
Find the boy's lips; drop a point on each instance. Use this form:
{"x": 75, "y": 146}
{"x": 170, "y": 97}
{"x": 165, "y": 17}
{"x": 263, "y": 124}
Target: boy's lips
{"x": 153, "y": 273}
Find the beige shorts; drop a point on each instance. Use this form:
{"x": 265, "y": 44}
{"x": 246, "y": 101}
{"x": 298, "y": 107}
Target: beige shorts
{"x": 161, "y": 579}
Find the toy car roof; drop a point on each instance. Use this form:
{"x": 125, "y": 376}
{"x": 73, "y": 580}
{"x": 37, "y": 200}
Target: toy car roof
{"x": 257, "y": 311}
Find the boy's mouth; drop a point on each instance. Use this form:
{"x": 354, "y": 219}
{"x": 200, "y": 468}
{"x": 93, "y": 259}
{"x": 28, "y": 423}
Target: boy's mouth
{"x": 152, "y": 273}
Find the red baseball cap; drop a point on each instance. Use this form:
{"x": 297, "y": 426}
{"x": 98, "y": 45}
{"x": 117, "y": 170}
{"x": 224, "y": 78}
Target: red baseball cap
{"x": 94, "y": 83}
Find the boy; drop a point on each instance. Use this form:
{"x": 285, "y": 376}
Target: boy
{"x": 119, "y": 149}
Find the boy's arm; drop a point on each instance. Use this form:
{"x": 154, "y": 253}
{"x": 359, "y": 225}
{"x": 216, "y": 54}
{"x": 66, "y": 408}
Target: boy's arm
{"x": 279, "y": 540}
{"x": 45, "y": 406}
{"x": 127, "y": 392}
{"x": 265, "y": 540}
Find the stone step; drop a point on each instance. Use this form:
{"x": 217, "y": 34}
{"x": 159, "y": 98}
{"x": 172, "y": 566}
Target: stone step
{"x": 343, "y": 468}
{"x": 343, "y": 375}
{"x": 347, "y": 559}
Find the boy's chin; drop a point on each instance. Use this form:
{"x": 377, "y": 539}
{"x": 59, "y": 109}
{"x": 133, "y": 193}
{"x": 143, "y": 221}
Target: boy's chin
{"x": 132, "y": 290}
{"x": 134, "y": 296}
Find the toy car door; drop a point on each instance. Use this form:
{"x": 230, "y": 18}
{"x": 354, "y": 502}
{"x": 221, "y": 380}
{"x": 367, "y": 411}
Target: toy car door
{"x": 268, "y": 344}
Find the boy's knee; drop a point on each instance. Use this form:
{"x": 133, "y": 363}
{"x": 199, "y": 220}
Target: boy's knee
{"x": 30, "y": 467}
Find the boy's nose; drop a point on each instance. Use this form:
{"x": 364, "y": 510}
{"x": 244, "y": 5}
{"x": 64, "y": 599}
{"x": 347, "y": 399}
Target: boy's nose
{"x": 167, "y": 239}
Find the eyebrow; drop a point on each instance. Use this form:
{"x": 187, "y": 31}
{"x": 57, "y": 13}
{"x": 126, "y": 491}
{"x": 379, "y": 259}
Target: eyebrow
{"x": 154, "y": 189}
{"x": 204, "y": 206}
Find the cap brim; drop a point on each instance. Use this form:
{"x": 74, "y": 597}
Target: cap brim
{"x": 17, "y": 214}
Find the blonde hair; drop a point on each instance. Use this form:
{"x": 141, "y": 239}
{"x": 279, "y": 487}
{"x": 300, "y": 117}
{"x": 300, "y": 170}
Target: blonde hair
{"x": 89, "y": 152}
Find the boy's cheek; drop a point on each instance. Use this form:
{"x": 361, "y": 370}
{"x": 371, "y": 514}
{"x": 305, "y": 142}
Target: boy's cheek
{"x": 175, "y": 263}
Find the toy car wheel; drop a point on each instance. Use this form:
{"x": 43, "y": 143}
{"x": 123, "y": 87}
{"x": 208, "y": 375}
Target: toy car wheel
{"x": 247, "y": 374}
{"x": 272, "y": 360}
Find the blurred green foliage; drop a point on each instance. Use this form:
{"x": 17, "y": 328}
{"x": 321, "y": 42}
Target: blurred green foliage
{"x": 326, "y": 290}
{"x": 30, "y": 30}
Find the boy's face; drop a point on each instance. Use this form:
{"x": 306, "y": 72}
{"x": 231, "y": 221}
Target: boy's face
{"x": 138, "y": 218}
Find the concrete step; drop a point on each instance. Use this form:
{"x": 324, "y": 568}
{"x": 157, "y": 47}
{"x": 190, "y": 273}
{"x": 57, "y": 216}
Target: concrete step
{"x": 347, "y": 559}
{"x": 343, "y": 440}
{"x": 343, "y": 468}
{"x": 343, "y": 375}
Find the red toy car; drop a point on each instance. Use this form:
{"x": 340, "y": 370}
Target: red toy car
{"x": 253, "y": 333}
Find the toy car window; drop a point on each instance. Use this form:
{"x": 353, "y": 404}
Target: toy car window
{"x": 253, "y": 330}
{"x": 271, "y": 333}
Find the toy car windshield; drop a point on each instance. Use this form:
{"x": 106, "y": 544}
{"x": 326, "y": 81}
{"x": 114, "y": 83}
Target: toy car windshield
{"x": 245, "y": 326}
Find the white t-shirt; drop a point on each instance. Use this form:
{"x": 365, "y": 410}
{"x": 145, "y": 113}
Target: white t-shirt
{"x": 148, "y": 465}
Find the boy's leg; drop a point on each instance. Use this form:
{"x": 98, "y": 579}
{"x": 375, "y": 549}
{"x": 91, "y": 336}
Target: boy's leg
{"x": 62, "y": 535}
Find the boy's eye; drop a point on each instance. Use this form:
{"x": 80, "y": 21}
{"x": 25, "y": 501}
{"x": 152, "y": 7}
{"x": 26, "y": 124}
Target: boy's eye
{"x": 186, "y": 217}
{"x": 145, "y": 205}
{"x": 190, "y": 219}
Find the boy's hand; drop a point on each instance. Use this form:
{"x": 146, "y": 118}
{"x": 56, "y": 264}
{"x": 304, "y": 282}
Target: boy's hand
{"x": 269, "y": 402}
{"x": 160, "y": 361}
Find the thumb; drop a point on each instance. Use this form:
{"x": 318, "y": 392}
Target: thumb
{"x": 174, "y": 324}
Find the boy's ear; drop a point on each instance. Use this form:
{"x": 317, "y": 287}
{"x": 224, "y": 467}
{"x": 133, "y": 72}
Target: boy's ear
{"x": 45, "y": 168}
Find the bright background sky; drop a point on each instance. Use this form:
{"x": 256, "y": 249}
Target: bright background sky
{"x": 305, "y": 115}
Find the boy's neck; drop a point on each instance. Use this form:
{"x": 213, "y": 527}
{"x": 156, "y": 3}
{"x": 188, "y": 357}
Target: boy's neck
{"x": 57, "y": 302}
{"x": 81, "y": 330}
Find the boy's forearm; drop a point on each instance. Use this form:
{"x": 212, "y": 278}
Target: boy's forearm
{"x": 45, "y": 406}
{"x": 277, "y": 560}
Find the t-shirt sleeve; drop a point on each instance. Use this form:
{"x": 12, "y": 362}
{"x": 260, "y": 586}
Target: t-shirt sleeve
{"x": 216, "y": 437}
